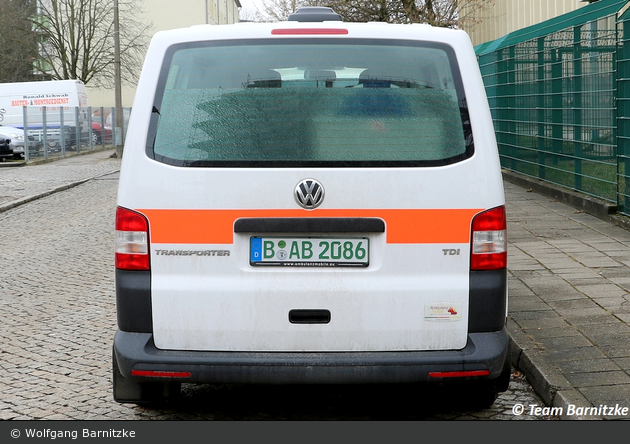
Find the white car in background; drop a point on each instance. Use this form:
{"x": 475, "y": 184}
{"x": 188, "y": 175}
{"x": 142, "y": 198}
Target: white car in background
{"x": 16, "y": 137}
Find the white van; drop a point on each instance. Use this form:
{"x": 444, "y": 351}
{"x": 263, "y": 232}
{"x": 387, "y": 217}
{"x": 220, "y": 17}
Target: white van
{"x": 64, "y": 101}
{"x": 310, "y": 201}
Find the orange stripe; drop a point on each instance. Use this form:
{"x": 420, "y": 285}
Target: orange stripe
{"x": 402, "y": 226}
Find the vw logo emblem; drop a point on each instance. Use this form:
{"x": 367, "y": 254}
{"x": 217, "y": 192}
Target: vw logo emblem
{"x": 309, "y": 193}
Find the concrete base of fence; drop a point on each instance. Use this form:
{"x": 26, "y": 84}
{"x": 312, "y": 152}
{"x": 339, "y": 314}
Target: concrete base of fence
{"x": 597, "y": 207}
{"x": 52, "y": 158}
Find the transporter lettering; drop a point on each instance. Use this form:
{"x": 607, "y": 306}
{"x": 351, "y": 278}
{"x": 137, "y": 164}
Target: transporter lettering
{"x": 192, "y": 252}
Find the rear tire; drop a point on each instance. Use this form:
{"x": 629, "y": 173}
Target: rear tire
{"x": 146, "y": 393}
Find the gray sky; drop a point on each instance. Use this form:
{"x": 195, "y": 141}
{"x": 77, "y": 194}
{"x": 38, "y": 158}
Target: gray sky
{"x": 250, "y": 5}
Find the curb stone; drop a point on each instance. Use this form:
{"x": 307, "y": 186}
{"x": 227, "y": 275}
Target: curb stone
{"x": 27, "y": 199}
{"x": 12, "y": 164}
{"x": 572, "y": 396}
{"x": 24, "y": 200}
{"x": 546, "y": 380}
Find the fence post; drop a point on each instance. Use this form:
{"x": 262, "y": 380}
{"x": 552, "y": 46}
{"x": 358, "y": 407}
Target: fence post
{"x": 62, "y": 132}
{"x": 44, "y": 132}
{"x": 501, "y": 105}
{"x": 577, "y": 107}
{"x": 510, "y": 115}
{"x": 112, "y": 112}
{"x": 77, "y": 129}
{"x": 25, "y": 128}
{"x": 541, "y": 114}
{"x": 90, "y": 131}
{"x": 557, "y": 131}
{"x": 623, "y": 117}
{"x": 102, "y": 128}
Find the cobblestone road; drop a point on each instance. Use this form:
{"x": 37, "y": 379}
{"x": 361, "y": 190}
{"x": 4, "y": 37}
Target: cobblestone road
{"x": 58, "y": 309}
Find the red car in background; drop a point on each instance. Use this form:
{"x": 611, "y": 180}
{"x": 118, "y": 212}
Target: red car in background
{"x": 98, "y": 132}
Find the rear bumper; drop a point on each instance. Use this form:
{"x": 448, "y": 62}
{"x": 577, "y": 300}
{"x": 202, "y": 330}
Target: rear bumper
{"x": 136, "y": 351}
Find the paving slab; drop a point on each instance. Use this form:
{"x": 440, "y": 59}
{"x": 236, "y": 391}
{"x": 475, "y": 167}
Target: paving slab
{"x": 575, "y": 313}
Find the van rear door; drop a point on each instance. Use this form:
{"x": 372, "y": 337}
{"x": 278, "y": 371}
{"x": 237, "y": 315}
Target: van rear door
{"x": 322, "y": 196}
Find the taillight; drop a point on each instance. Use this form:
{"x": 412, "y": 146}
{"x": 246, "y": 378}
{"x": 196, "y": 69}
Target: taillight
{"x": 160, "y": 374}
{"x": 132, "y": 240}
{"x": 462, "y": 374}
{"x": 489, "y": 240}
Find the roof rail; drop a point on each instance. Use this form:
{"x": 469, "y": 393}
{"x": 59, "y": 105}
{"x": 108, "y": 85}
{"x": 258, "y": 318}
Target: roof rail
{"x": 314, "y": 14}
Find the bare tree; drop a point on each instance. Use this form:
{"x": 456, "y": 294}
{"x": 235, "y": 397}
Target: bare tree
{"x": 279, "y": 10}
{"x": 445, "y": 13}
{"x": 78, "y": 39}
{"x": 18, "y": 44}
{"x": 391, "y": 11}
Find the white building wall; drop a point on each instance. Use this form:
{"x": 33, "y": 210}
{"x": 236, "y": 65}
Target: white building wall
{"x": 506, "y": 16}
{"x": 171, "y": 14}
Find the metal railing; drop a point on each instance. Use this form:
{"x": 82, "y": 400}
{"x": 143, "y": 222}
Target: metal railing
{"x": 560, "y": 102}
{"x": 54, "y": 133}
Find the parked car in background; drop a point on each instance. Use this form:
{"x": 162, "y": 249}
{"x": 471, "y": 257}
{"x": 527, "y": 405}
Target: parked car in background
{"x": 15, "y": 136}
{"x": 98, "y": 132}
{"x": 5, "y": 149}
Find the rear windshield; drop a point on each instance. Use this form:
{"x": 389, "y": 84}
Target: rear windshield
{"x": 310, "y": 102}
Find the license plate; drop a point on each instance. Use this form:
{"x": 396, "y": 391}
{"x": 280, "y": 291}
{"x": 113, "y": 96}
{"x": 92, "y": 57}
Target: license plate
{"x": 309, "y": 251}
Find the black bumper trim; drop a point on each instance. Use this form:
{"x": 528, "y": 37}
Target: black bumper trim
{"x": 488, "y": 300}
{"x": 309, "y": 225}
{"x": 484, "y": 351}
{"x": 133, "y": 301}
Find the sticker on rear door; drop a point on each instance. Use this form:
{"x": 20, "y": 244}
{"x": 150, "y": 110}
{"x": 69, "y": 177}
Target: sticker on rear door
{"x": 443, "y": 311}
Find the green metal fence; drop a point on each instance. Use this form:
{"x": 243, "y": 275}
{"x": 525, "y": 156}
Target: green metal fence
{"x": 559, "y": 93}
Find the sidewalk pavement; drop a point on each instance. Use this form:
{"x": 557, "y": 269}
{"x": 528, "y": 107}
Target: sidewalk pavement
{"x": 569, "y": 282}
{"x": 569, "y": 300}
{"x": 21, "y": 183}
